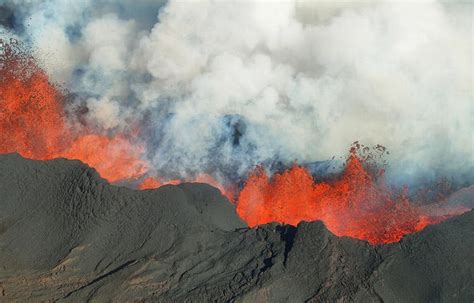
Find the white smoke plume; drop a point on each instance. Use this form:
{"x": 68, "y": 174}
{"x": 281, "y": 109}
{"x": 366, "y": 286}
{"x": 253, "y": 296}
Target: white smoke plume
{"x": 220, "y": 86}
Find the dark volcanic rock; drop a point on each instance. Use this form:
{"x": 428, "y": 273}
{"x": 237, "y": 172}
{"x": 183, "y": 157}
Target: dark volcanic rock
{"x": 67, "y": 235}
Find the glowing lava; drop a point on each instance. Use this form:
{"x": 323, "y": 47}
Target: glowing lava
{"x": 358, "y": 204}
{"x": 31, "y": 114}
{"x": 32, "y": 123}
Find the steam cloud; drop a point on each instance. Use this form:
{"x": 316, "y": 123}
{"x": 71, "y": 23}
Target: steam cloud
{"x": 218, "y": 87}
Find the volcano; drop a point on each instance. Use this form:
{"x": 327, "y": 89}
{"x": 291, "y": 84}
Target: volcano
{"x": 163, "y": 151}
{"x": 67, "y": 235}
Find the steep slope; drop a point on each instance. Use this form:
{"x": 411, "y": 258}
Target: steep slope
{"x": 67, "y": 235}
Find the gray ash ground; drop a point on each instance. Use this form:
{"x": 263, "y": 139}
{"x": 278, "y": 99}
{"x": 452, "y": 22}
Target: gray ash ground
{"x": 66, "y": 235}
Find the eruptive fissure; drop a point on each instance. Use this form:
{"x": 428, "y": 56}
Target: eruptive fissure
{"x": 357, "y": 204}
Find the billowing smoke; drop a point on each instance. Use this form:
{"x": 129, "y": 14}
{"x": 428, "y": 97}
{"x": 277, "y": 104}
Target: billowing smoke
{"x": 219, "y": 87}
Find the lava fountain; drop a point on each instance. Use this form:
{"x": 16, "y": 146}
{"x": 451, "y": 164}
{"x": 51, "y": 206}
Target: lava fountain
{"x": 357, "y": 204}
{"x": 33, "y": 123}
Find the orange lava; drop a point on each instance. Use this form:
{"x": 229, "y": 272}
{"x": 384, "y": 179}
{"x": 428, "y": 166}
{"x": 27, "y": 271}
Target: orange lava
{"x": 31, "y": 113}
{"x": 32, "y": 123}
{"x": 149, "y": 183}
{"x": 358, "y": 204}
{"x": 115, "y": 158}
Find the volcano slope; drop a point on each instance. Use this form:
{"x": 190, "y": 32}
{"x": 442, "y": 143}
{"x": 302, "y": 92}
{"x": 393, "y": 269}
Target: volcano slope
{"x": 67, "y": 235}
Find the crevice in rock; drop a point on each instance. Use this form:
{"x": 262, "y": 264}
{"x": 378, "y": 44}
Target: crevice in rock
{"x": 287, "y": 235}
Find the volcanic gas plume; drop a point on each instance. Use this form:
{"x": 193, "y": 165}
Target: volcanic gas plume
{"x": 356, "y": 203}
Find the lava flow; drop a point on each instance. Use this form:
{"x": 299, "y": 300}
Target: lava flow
{"x": 358, "y": 204}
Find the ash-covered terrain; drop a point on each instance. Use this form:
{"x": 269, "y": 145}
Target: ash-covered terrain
{"x": 66, "y": 235}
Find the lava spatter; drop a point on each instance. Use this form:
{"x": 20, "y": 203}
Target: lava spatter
{"x": 358, "y": 204}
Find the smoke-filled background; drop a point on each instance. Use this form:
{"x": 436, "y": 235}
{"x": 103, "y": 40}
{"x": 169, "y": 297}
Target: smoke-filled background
{"x": 218, "y": 87}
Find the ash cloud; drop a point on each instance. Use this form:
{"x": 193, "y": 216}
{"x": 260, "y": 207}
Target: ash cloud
{"x": 219, "y": 87}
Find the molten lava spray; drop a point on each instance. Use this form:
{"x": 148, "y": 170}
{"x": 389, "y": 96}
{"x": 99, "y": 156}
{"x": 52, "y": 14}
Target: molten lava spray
{"x": 358, "y": 204}
{"x": 32, "y": 123}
